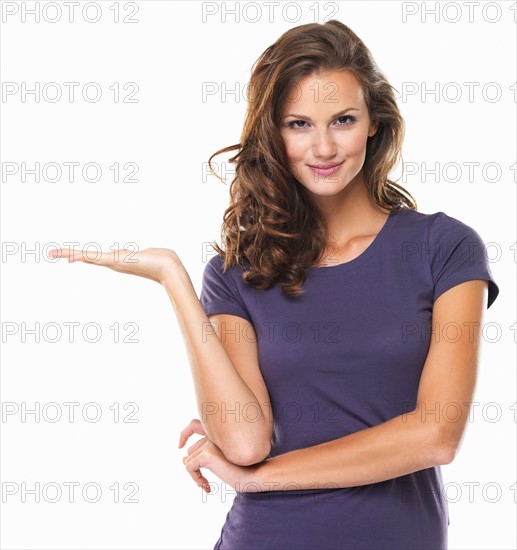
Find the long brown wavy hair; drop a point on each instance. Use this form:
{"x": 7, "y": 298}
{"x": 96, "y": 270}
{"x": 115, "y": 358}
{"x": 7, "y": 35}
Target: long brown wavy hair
{"x": 272, "y": 226}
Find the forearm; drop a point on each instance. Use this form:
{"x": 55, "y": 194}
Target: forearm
{"x": 394, "y": 448}
{"x": 221, "y": 393}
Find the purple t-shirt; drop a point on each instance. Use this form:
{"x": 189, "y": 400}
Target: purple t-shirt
{"x": 345, "y": 356}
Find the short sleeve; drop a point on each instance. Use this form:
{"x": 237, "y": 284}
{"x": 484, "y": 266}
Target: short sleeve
{"x": 219, "y": 291}
{"x": 458, "y": 254}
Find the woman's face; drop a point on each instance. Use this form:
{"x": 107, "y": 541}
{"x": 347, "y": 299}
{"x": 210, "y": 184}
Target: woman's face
{"x": 325, "y": 122}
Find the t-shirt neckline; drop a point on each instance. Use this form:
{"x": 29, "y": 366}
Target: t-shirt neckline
{"x": 365, "y": 255}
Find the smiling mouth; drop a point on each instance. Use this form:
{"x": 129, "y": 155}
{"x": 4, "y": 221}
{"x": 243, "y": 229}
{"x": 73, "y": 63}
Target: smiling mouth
{"x": 327, "y": 170}
{"x": 325, "y": 166}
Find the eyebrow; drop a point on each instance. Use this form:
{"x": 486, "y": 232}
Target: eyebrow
{"x": 333, "y": 116}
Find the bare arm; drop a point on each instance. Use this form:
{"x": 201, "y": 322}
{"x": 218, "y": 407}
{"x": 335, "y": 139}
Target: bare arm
{"x": 226, "y": 373}
{"x": 219, "y": 387}
{"x": 395, "y": 448}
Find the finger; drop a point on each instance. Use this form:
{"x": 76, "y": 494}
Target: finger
{"x": 87, "y": 256}
{"x": 67, "y": 253}
{"x": 194, "y": 427}
{"x": 193, "y": 448}
{"x": 201, "y": 481}
{"x": 197, "y": 445}
{"x": 195, "y": 473}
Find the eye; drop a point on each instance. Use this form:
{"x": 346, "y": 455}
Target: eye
{"x": 295, "y": 123}
{"x": 352, "y": 119}
{"x": 291, "y": 124}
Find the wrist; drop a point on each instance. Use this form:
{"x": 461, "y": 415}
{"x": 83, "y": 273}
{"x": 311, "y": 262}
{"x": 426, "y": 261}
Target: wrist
{"x": 251, "y": 480}
{"x": 174, "y": 274}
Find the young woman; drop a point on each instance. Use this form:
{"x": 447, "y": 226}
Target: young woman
{"x": 329, "y": 388}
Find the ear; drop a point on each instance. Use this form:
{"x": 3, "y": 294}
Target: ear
{"x": 374, "y": 126}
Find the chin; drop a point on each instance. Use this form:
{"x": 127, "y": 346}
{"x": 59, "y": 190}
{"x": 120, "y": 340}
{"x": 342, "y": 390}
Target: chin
{"x": 326, "y": 190}
{"x": 326, "y": 187}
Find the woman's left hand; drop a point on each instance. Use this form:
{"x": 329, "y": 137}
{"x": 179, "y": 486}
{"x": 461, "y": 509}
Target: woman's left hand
{"x": 205, "y": 454}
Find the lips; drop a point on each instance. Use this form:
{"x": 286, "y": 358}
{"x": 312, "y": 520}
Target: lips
{"x": 326, "y": 170}
{"x": 325, "y": 166}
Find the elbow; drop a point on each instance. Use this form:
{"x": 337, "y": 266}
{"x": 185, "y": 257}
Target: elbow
{"x": 445, "y": 449}
{"x": 440, "y": 455}
{"x": 249, "y": 455}
{"x": 448, "y": 454}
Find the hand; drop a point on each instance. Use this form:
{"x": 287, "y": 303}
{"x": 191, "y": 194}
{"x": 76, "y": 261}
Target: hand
{"x": 205, "y": 454}
{"x": 152, "y": 263}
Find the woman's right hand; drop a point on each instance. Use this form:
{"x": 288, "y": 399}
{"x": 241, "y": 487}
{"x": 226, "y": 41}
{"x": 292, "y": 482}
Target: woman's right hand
{"x": 152, "y": 263}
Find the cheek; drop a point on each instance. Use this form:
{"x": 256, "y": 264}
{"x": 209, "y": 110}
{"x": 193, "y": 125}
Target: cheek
{"x": 296, "y": 152}
{"x": 294, "y": 148}
{"x": 356, "y": 144}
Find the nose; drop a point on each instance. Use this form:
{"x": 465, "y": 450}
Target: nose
{"x": 324, "y": 145}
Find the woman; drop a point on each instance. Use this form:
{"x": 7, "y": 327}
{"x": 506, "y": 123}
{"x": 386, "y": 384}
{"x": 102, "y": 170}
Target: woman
{"x": 324, "y": 401}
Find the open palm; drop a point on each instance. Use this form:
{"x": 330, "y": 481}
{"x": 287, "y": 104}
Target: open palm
{"x": 151, "y": 263}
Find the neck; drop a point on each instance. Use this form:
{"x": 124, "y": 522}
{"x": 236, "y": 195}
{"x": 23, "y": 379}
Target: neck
{"x": 351, "y": 213}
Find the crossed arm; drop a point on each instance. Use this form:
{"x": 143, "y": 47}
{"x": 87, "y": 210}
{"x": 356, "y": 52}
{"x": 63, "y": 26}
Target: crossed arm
{"x": 422, "y": 438}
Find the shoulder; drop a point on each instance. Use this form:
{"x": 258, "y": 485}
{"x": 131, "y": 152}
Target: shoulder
{"x": 214, "y": 273}
{"x": 441, "y": 238}
{"x": 221, "y": 291}
{"x": 455, "y": 253}
{"x": 216, "y": 265}
{"x": 435, "y": 228}
{"x": 412, "y": 223}
{"x": 448, "y": 231}
{"x": 409, "y": 216}
{"x": 441, "y": 219}
{"x": 443, "y": 249}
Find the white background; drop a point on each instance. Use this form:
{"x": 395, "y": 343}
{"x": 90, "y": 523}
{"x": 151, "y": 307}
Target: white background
{"x": 169, "y": 133}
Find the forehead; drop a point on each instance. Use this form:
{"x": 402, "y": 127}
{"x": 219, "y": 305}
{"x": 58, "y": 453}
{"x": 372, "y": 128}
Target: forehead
{"x": 325, "y": 87}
